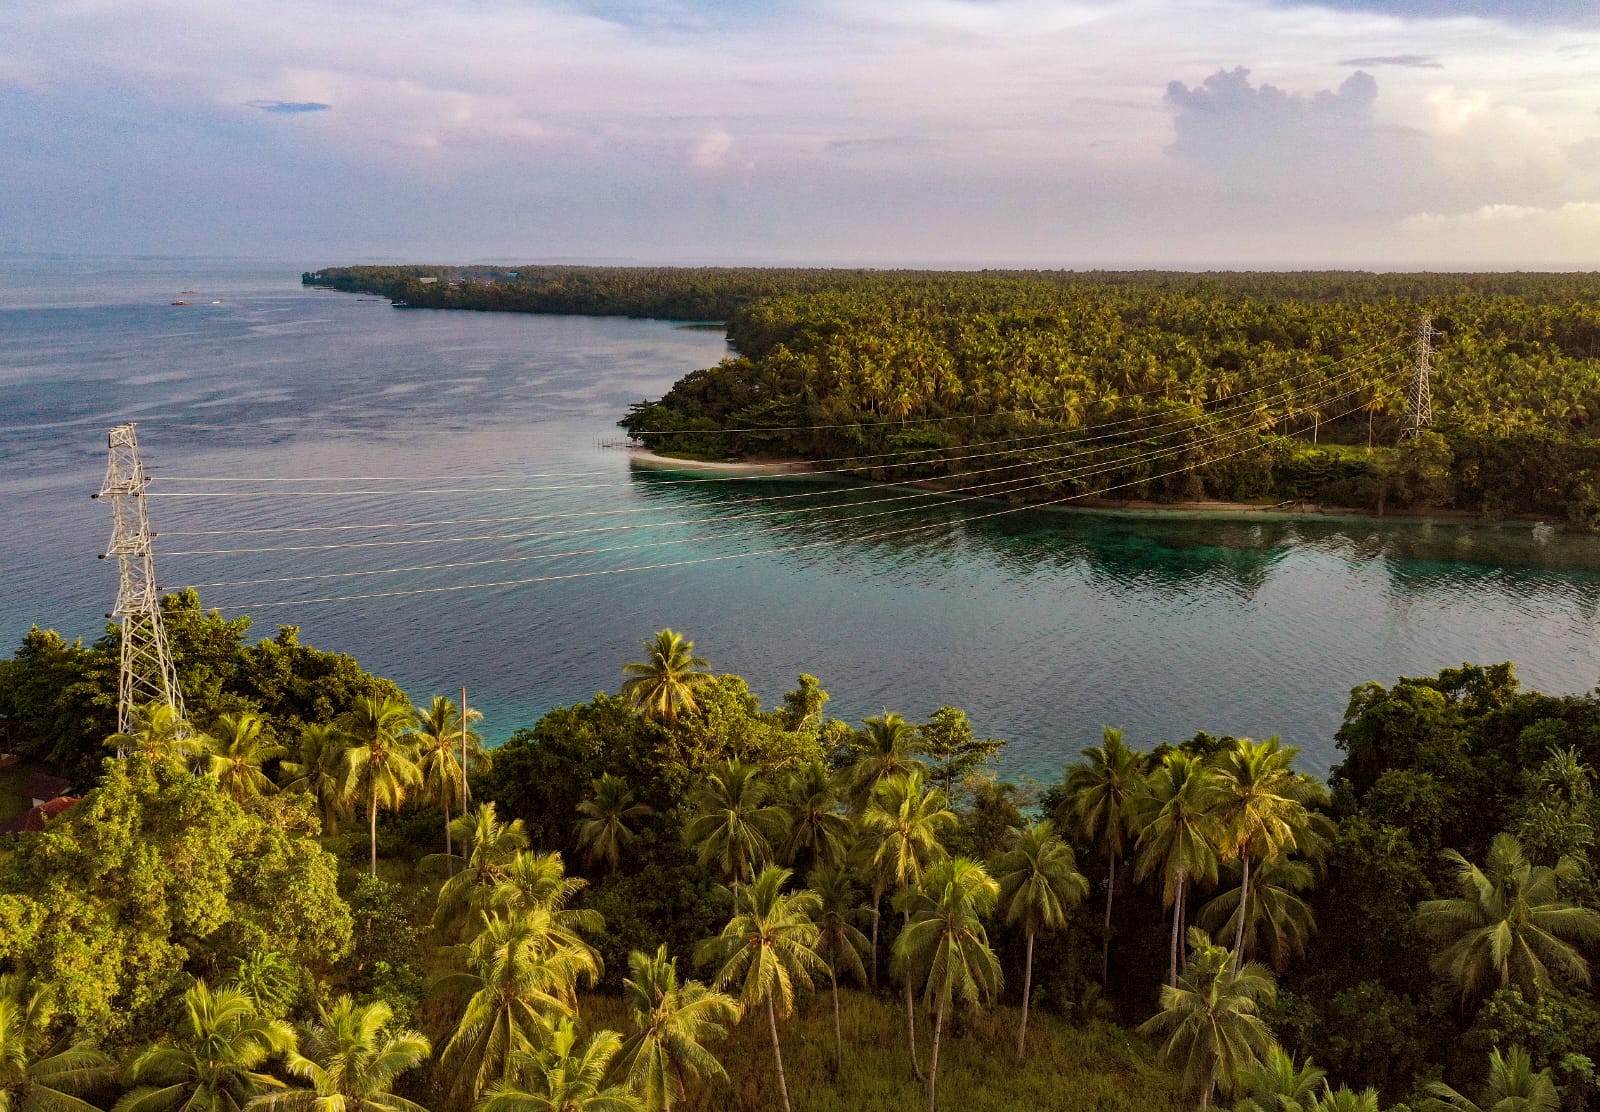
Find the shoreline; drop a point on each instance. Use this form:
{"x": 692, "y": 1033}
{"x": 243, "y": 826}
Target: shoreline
{"x": 1290, "y": 510}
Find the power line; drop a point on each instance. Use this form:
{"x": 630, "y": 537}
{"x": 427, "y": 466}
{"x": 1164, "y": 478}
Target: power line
{"x": 273, "y": 604}
{"x": 920, "y": 493}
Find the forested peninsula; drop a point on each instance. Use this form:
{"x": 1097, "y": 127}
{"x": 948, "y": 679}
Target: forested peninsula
{"x": 1059, "y": 387}
{"x": 309, "y": 893}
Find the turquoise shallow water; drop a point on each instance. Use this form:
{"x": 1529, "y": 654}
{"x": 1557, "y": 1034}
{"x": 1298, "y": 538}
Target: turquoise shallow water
{"x": 1043, "y": 624}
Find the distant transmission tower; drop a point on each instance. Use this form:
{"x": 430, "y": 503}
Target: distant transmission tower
{"x": 146, "y": 674}
{"x": 1419, "y": 396}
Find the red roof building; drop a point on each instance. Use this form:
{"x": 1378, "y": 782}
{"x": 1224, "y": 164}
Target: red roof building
{"x": 32, "y": 821}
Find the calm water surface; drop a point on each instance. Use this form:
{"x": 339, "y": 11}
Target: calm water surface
{"x": 1044, "y": 625}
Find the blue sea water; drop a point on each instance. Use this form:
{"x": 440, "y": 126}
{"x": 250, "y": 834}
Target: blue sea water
{"x": 480, "y": 441}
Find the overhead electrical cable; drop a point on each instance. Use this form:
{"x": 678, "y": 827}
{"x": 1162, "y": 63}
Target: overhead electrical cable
{"x": 282, "y": 603}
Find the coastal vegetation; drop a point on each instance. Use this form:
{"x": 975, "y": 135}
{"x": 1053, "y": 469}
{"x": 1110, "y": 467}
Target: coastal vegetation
{"x": 1053, "y": 386}
{"x": 674, "y": 898}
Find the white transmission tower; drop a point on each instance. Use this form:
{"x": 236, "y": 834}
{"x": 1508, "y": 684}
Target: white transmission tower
{"x": 1419, "y": 395}
{"x": 146, "y": 674}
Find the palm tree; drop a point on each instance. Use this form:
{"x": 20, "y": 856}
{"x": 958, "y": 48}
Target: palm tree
{"x": 672, "y": 1022}
{"x": 518, "y": 985}
{"x": 1513, "y": 1086}
{"x": 1277, "y": 920}
{"x": 442, "y": 745}
{"x": 38, "y": 1072}
{"x": 817, "y": 831}
{"x": 238, "y": 746}
{"x": 900, "y": 837}
{"x": 537, "y": 888}
{"x": 1344, "y": 1099}
{"x": 214, "y": 1064}
{"x": 733, "y": 828}
{"x": 1509, "y": 924}
{"x": 882, "y": 751}
{"x": 1212, "y": 1018}
{"x": 351, "y": 1057}
{"x": 157, "y": 731}
{"x": 1039, "y": 884}
{"x": 839, "y": 941}
{"x": 269, "y": 979}
{"x": 488, "y": 847}
{"x": 945, "y": 947}
{"x": 1102, "y": 797}
{"x": 767, "y": 948}
{"x": 1262, "y": 804}
{"x": 604, "y": 835}
{"x": 379, "y": 765}
{"x": 1276, "y": 1084}
{"x": 1179, "y": 835}
{"x": 663, "y": 684}
{"x": 564, "y": 1078}
{"x": 319, "y": 773}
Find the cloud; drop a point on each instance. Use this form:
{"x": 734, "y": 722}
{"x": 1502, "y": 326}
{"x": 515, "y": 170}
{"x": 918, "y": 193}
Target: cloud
{"x": 1574, "y": 13}
{"x": 1561, "y": 234}
{"x": 710, "y": 151}
{"x": 288, "y": 107}
{"x": 1227, "y": 119}
{"x": 1406, "y": 61}
{"x": 882, "y": 144}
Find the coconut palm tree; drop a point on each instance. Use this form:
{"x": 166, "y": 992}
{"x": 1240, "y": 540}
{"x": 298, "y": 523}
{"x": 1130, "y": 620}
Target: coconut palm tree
{"x": 1178, "y": 835}
{"x": 488, "y": 848}
{"x": 604, "y": 835}
{"x": 1277, "y": 922}
{"x": 1513, "y": 1086}
{"x": 564, "y": 1077}
{"x": 1344, "y": 1099}
{"x": 1261, "y": 805}
{"x": 269, "y": 979}
{"x": 41, "y": 1072}
{"x": 1276, "y": 1084}
{"x": 1509, "y": 924}
{"x": 1102, "y": 797}
{"x": 885, "y": 749}
{"x": 662, "y": 685}
{"x": 379, "y": 765}
{"x": 519, "y": 985}
{"x": 442, "y": 747}
{"x": 733, "y": 828}
{"x": 672, "y": 1023}
{"x": 900, "y": 835}
{"x": 157, "y": 731}
{"x": 350, "y": 1057}
{"x": 1212, "y": 1018}
{"x": 817, "y": 831}
{"x": 1039, "y": 884}
{"x": 214, "y": 1064}
{"x": 319, "y": 772}
{"x": 537, "y": 888}
{"x": 945, "y": 948}
{"x": 766, "y": 950}
{"x": 238, "y": 745}
{"x": 839, "y": 941}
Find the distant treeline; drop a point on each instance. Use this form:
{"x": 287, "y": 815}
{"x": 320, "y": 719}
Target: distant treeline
{"x": 1045, "y": 385}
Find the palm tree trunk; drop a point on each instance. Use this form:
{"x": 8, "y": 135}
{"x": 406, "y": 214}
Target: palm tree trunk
{"x": 876, "y": 912}
{"x": 838, "y": 1030}
{"x": 1183, "y": 926}
{"x": 372, "y": 819}
{"x": 911, "y": 1020}
{"x": 1177, "y": 908}
{"x": 1105, "y": 945}
{"x": 1027, "y": 991}
{"x": 1244, "y": 904}
{"x": 449, "y": 851}
{"x": 777, "y": 1054}
{"x": 933, "y": 1062}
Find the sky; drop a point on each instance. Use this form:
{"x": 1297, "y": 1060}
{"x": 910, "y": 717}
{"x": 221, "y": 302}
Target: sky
{"x": 1070, "y": 133}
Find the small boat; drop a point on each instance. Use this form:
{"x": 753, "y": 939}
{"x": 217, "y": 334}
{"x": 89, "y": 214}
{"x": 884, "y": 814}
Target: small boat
{"x": 180, "y": 303}
{"x": 218, "y": 301}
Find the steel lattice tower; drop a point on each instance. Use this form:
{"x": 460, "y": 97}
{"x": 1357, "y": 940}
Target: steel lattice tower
{"x": 146, "y": 674}
{"x": 1419, "y": 396}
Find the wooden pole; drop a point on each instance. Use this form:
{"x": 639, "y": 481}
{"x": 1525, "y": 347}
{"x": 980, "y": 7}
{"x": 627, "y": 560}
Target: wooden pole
{"x": 464, "y": 751}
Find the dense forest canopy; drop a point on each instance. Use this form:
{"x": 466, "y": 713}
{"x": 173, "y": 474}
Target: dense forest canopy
{"x": 673, "y": 896}
{"x": 1057, "y": 385}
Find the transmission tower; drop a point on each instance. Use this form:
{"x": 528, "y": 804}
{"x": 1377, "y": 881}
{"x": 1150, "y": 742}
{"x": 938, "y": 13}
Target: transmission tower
{"x": 1419, "y": 398}
{"x": 146, "y": 674}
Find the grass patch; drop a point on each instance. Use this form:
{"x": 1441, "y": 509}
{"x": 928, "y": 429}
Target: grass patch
{"x": 1097, "y": 1068}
